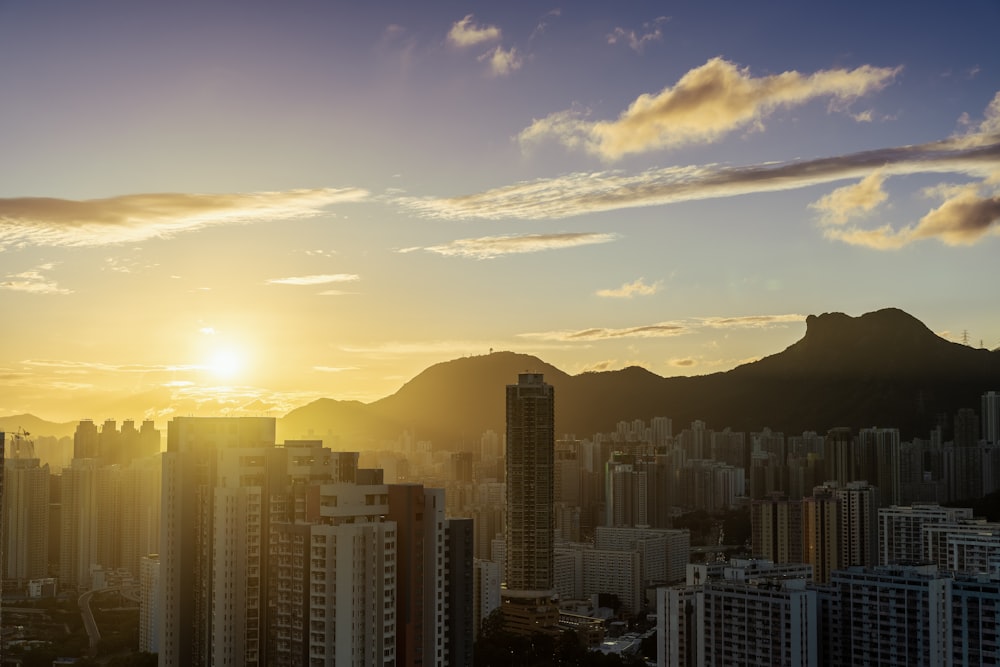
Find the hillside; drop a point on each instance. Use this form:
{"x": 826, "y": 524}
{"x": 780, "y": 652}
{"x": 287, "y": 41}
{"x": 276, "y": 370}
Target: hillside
{"x": 883, "y": 368}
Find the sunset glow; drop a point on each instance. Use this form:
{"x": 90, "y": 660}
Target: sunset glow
{"x": 324, "y": 199}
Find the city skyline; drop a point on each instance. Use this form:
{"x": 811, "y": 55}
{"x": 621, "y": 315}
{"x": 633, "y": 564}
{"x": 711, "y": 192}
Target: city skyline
{"x": 236, "y": 210}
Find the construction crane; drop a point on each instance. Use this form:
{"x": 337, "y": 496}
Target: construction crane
{"x": 19, "y": 445}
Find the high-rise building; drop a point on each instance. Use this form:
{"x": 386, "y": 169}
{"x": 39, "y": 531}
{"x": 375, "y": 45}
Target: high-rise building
{"x": 776, "y": 529}
{"x": 85, "y": 440}
{"x": 195, "y": 545}
{"x": 149, "y": 611}
{"x": 529, "y": 531}
{"x": 25, "y": 516}
{"x": 91, "y": 513}
{"x": 990, "y": 409}
{"x": 888, "y": 615}
{"x": 750, "y": 613}
{"x": 839, "y": 527}
{"x": 334, "y": 584}
{"x": 486, "y": 594}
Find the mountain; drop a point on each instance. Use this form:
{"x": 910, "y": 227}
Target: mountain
{"x": 32, "y": 424}
{"x": 883, "y": 368}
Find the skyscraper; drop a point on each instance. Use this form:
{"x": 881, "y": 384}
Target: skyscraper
{"x": 530, "y": 523}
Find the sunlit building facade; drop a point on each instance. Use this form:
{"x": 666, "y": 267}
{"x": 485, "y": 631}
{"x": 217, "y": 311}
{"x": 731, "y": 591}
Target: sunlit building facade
{"x": 25, "y": 515}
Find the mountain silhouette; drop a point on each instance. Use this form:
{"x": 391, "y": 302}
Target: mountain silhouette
{"x": 883, "y": 368}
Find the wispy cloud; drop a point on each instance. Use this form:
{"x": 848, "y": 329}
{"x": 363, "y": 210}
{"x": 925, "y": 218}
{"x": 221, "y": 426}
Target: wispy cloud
{"x": 502, "y": 61}
{"x": 465, "y": 33}
{"x": 750, "y": 321}
{"x": 33, "y": 281}
{"x": 636, "y": 40}
{"x": 658, "y": 330}
{"x": 664, "y": 329}
{"x": 851, "y": 201}
{"x": 543, "y": 23}
{"x": 706, "y": 104}
{"x": 334, "y": 369}
{"x": 967, "y": 213}
{"x": 489, "y": 247}
{"x": 683, "y": 363}
{"x": 319, "y": 279}
{"x": 975, "y": 155}
{"x": 133, "y": 218}
{"x": 69, "y": 366}
{"x": 628, "y": 290}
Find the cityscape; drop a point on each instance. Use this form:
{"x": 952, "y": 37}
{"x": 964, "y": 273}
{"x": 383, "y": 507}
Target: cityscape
{"x": 412, "y": 334}
{"x": 216, "y": 544}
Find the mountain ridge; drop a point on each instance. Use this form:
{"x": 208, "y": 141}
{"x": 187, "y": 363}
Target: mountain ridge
{"x": 883, "y": 368}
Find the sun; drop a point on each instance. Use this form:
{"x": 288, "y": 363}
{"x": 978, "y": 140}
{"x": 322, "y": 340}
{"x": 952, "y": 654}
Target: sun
{"x": 226, "y": 363}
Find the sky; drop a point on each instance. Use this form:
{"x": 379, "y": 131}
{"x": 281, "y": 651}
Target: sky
{"x": 235, "y": 208}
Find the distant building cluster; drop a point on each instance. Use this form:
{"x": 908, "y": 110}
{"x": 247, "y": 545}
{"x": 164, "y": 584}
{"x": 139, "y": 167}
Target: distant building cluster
{"x": 247, "y": 551}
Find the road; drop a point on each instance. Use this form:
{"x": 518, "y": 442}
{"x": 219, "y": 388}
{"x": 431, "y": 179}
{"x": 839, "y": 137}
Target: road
{"x": 83, "y": 602}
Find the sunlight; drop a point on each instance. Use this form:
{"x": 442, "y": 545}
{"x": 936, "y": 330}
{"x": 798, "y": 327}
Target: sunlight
{"x": 226, "y": 363}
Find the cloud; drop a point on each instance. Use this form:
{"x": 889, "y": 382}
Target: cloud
{"x": 658, "y": 330}
{"x": 466, "y": 33}
{"x": 851, "y": 201}
{"x": 78, "y": 367}
{"x": 33, "y": 281}
{"x": 334, "y": 369}
{"x": 706, "y": 104}
{"x": 543, "y": 23}
{"x": 321, "y": 279}
{"x": 502, "y": 62}
{"x": 964, "y": 218}
{"x": 664, "y": 329}
{"x": 651, "y": 32}
{"x": 593, "y": 192}
{"x": 683, "y": 363}
{"x": 133, "y": 218}
{"x": 489, "y": 247}
{"x": 600, "y": 366}
{"x": 751, "y": 321}
{"x": 628, "y": 290}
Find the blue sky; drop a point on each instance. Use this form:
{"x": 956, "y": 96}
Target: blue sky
{"x": 234, "y": 208}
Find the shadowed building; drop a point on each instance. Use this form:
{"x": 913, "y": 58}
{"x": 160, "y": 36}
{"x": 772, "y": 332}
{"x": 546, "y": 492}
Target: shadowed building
{"x": 529, "y": 534}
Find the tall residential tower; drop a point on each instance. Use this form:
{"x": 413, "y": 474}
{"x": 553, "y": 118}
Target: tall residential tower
{"x": 527, "y": 600}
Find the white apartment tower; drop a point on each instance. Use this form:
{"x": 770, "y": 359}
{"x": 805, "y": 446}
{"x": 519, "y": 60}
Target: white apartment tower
{"x": 211, "y": 541}
{"x": 889, "y": 616}
{"x": 901, "y": 529}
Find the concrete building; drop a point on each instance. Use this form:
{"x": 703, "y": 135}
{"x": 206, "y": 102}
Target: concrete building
{"x": 334, "y": 580}
{"x": 91, "y": 520}
{"x": 25, "y": 516}
{"x": 196, "y": 478}
{"x": 529, "y": 532}
{"x": 990, "y": 413}
{"x": 149, "y": 611}
{"x": 975, "y": 619}
{"x": 747, "y": 613}
{"x": 901, "y": 530}
{"x": 776, "y": 529}
{"x": 663, "y": 553}
{"x": 880, "y": 452}
{"x": 889, "y": 615}
{"x": 486, "y": 594}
